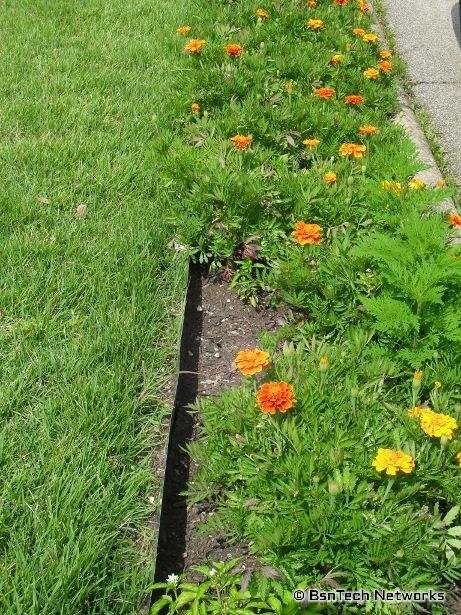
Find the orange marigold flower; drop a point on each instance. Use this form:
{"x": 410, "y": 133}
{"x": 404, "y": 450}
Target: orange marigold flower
{"x": 437, "y": 425}
{"x": 315, "y": 24}
{"x": 392, "y": 186}
{"x": 262, "y": 14}
{"x": 325, "y": 93}
{"x": 311, "y": 143}
{"x": 371, "y": 73}
{"x": 393, "y": 462}
{"x": 416, "y": 184}
{"x": 359, "y": 32}
{"x": 184, "y": 30}
{"x": 330, "y": 178}
{"x": 251, "y": 361}
{"x": 275, "y": 396}
{"x": 384, "y": 54}
{"x": 354, "y": 99}
{"x": 341, "y": 2}
{"x": 355, "y": 150}
{"x": 195, "y": 107}
{"x": 242, "y": 142}
{"x": 458, "y": 458}
{"x": 441, "y": 183}
{"x": 195, "y": 46}
{"x": 385, "y": 66}
{"x": 368, "y": 130}
{"x": 370, "y": 37}
{"x": 336, "y": 59}
{"x": 364, "y": 7}
{"x": 233, "y": 50}
{"x": 311, "y": 4}
{"x": 455, "y": 220}
{"x": 418, "y": 375}
{"x": 307, "y": 234}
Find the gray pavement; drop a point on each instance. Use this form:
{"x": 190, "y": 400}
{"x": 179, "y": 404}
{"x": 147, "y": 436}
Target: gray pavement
{"x": 429, "y": 40}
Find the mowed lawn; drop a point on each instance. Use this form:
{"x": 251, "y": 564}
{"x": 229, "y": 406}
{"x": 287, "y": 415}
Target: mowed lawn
{"x": 89, "y": 306}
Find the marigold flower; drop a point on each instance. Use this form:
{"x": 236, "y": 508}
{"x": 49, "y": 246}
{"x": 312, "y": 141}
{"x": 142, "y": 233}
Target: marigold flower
{"x": 393, "y": 462}
{"x": 262, "y": 14}
{"x": 330, "y": 178}
{"x": 311, "y": 4}
{"x": 392, "y": 186}
{"x": 354, "y": 99}
{"x": 384, "y": 54}
{"x": 242, "y": 142}
{"x": 415, "y": 412}
{"x": 251, "y": 361}
{"x": 315, "y": 24}
{"x": 455, "y": 220}
{"x": 416, "y": 184}
{"x": 441, "y": 183}
{"x": 458, "y": 458}
{"x": 437, "y": 425}
{"x": 325, "y": 93}
{"x": 233, "y": 50}
{"x": 385, "y": 66}
{"x": 184, "y": 30}
{"x": 371, "y": 73}
{"x": 307, "y": 234}
{"x": 275, "y": 396}
{"x": 359, "y": 32}
{"x": 195, "y": 107}
{"x": 341, "y": 2}
{"x": 336, "y": 59}
{"x": 195, "y": 46}
{"x": 418, "y": 375}
{"x": 311, "y": 143}
{"x": 324, "y": 363}
{"x": 355, "y": 150}
{"x": 363, "y": 7}
{"x": 368, "y": 130}
{"x": 370, "y": 37}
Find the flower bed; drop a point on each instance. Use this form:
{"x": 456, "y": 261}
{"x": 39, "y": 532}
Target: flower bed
{"x": 340, "y": 449}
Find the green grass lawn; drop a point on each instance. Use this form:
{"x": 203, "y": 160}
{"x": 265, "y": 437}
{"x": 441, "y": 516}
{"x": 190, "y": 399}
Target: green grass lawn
{"x": 89, "y": 307}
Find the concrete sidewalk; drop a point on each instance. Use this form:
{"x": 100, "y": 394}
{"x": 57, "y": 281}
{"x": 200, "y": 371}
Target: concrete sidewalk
{"x": 429, "y": 40}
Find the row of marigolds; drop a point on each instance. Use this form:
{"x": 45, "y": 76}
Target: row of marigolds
{"x": 273, "y": 397}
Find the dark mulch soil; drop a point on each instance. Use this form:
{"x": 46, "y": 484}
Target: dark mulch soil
{"x": 217, "y": 325}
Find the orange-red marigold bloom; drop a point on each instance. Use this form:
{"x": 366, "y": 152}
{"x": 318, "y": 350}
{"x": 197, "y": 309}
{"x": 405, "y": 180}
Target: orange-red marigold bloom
{"x": 354, "y": 99}
{"x": 311, "y": 4}
{"x": 195, "y": 46}
{"x": 233, "y": 50}
{"x": 315, "y": 24}
{"x": 336, "y": 59}
{"x": 341, "y": 2}
{"x": 385, "y": 66}
{"x": 325, "y": 93}
{"x": 184, "y": 30}
{"x": 355, "y": 150}
{"x": 364, "y": 7}
{"x": 275, "y": 396}
{"x": 307, "y": 234}
{"x": 455, "y": 220}
{"x": 242, "y": 142}
{"x": 251, "y": 361}
{"x": 368, "y": 129}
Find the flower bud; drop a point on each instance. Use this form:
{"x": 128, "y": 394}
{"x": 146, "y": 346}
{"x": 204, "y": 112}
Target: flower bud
{"x": 417, "y": 377}
{"x": 333, "y": 487}
{"x": 323, "y": 363}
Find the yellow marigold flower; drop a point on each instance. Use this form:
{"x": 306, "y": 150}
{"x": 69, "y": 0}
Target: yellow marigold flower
{"x": 262, "y": 14}
{"x": 325, "y": 93}
{"x": 384, "y": 54}
{"x": 251, "y": 361}
{"x": 330, "y": 178}
{"x": 233, "y": 50}
{"x": 440, "y": 183}
{"x": 195, "y": 46}
{"x": 458, "y": 458}
{"x": 184, "y": 30}
{"x": 371, "y": 73}
{"x": 315, "y": 24}
{"x": 392, "y": 186}
{"x": 275, "y": 396}
{"x": 354, "y": 150}
{"x": 393, "y": 462}
{"x": 359, "y": 32}
{"x": 370, "y": 37}
{"x": 385, "y": 66}
{"x": 437, "y": 425}
{"x": 242, "y": 142}
{"x": 195, "y": 107}
{"x": 311, "y": 143}
{"x": 311, "y": 4}
{"x": 305, "y": 234}
{"x": 415, "y": 412}
{"x": 336, "y": 59}
{"x": 368, "y": 130}
{"x": 416, "y": 184}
